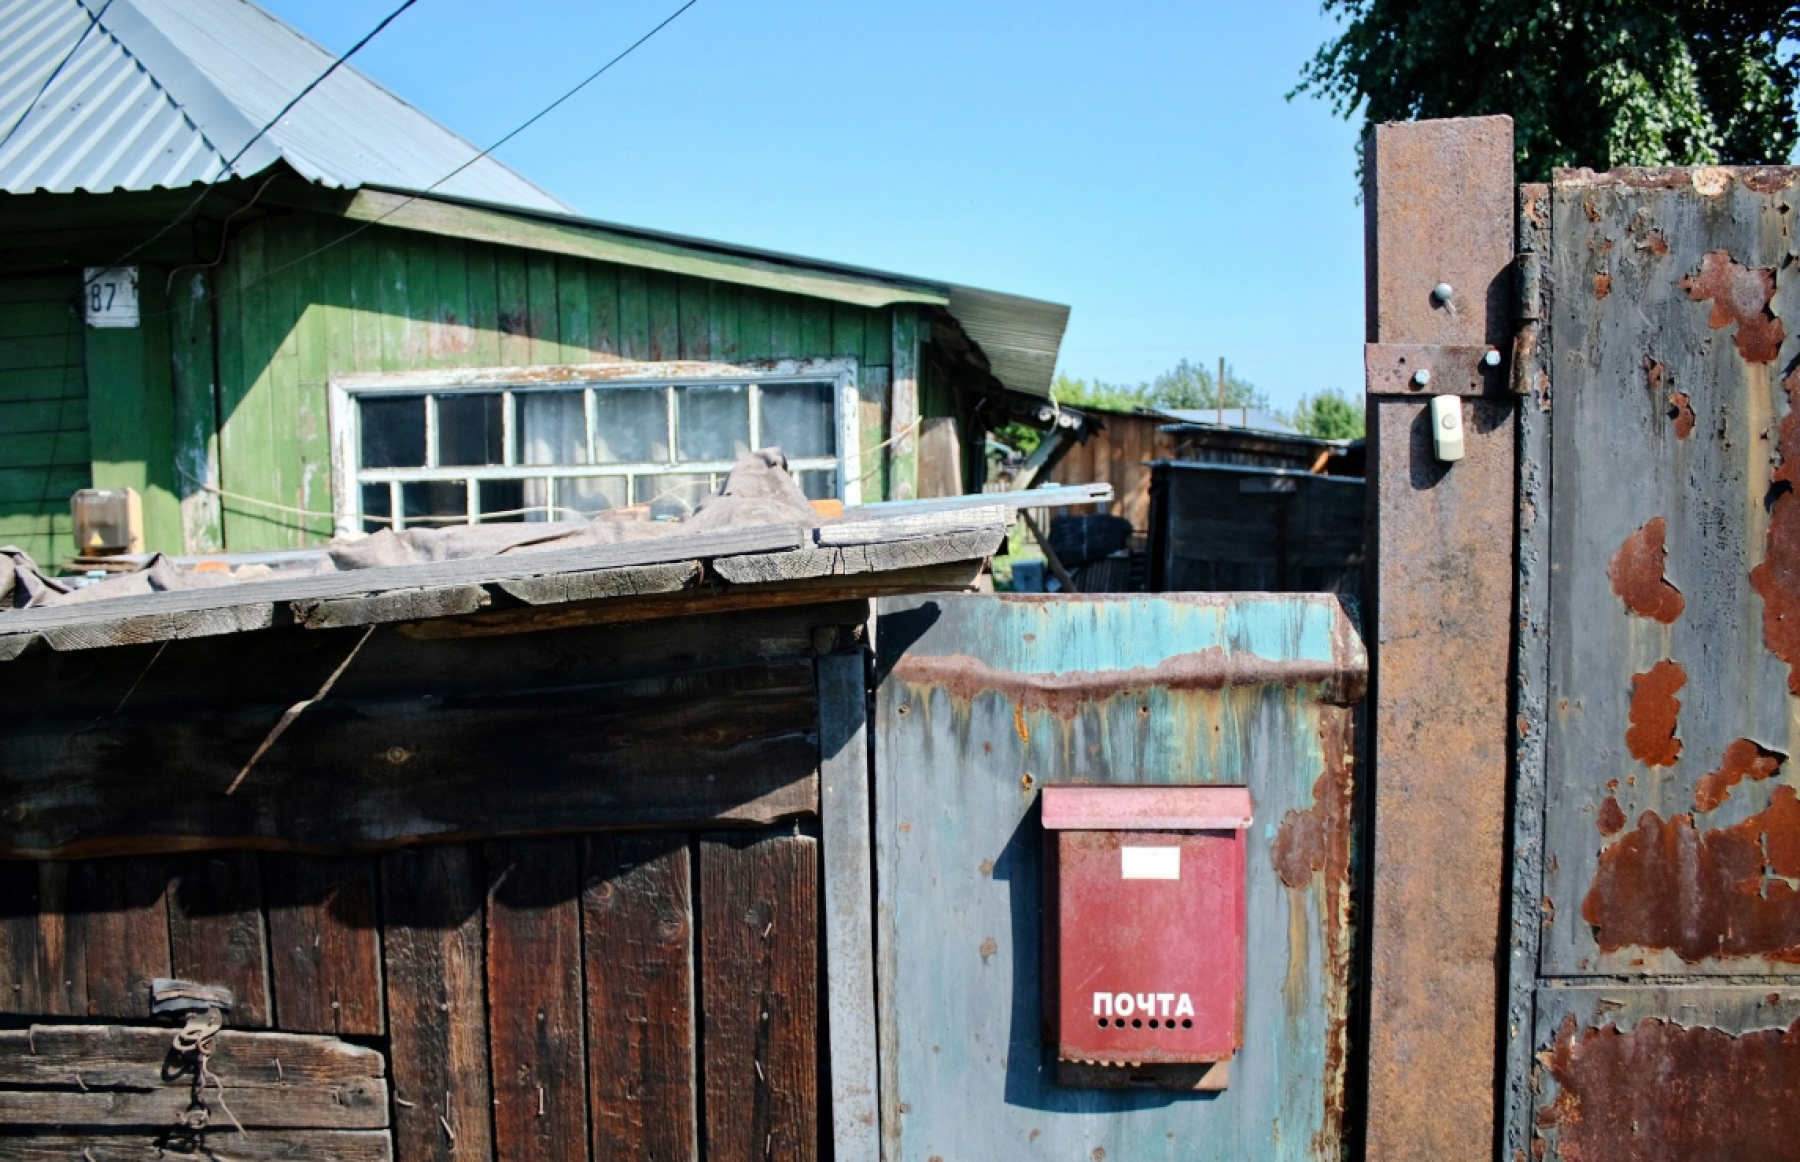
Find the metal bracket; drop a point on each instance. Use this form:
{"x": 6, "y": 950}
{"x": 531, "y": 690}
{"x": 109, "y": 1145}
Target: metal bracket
{"x": 1424, "y": 369}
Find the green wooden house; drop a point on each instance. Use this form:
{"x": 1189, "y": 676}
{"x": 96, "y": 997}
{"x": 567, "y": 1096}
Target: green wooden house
{"x": 352, "y": 320}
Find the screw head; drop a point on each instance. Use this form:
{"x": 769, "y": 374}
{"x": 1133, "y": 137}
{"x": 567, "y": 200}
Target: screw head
{"x": 1422, "y": 377}
{"x": 1441, "y": 293}
{"x": 1491, "y": 359}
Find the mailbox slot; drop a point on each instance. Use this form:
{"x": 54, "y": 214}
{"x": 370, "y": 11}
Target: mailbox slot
{"x": 1145, "y": 933}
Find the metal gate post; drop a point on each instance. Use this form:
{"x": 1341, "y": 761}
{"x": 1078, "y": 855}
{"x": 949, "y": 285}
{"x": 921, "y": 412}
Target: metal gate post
{"x": 1440, "y": 244}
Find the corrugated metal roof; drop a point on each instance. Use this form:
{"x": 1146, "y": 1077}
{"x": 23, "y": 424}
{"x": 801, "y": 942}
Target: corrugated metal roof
{"x": 165, "y": 92}
{"x": 1019, "y": 336}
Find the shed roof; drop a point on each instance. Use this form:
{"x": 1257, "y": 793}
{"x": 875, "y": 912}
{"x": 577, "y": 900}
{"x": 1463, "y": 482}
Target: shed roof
{"x": 164, "y": 93}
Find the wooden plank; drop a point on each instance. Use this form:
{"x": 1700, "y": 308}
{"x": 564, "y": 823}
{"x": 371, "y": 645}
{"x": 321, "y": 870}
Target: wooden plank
{"x": 484, "y": 307}
{"x": 562, "y": 588}
{"x": 62, "y": 349}
{"x": 806, "y": 591}
{"x": 535, "y": 1027}
{"x": 43, "y": 415}
{"x": 396, "y": 605}
{"x": 784, "y": 328}
{"x": 603, "y": 310}
{"x": 43, "y": 965}
{"x": 634, "y": 313}
{"x": 772, "y": 568}
{"x": 759, "y": 924}
{"x": 541, "y": 291}
{"x": 216, "y": 931}
{"x": 727, "y": 308}
{"x": 847, "y": 324}
{"x": 325, "y": 959}
{"x": 574, "y": 313}
{"x": 64, "y": 382}
{"x": 43, "y": 449}
{"x": 133, "y": 1057}
{"x": 265, "y": 1145}
{"x": 754, "y": 334}
{"x": 365, "y": 298}
{"x": 665, "y": 315}
{"x": 474, "y": 570}
{"x": 122, "y": 908}
{"x": 392, "y": 298}
{"x": 734, "y": 743}
{"x": 849, "y": 907}
{"x": 637, "y": 922}
{"x": 157, "y": 627}
{"x": 694, "y": 312}
{"x": 814, "y": 338}
{"x": 309, "y": 461}
{"x": 431, "y": 900}
{"x": 194, "y": 370}
{"x": 903, "y": 412}
{"x": 354, "y": 1105}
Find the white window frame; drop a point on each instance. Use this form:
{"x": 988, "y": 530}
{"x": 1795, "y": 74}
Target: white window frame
{"x": 347, "y": 474}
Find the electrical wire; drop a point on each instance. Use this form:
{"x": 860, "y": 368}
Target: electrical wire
{"x": 230, "y": 166}
{"x": 520, "y": 128}
{"x": 93, "y": 20}
{"x": 416, "y": 195}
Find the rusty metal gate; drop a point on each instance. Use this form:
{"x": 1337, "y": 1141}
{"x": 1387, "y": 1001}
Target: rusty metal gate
{"x": 1658, "y": 829}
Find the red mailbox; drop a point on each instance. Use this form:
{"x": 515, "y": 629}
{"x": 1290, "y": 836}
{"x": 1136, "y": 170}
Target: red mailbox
{"x": 1144, "y": 931}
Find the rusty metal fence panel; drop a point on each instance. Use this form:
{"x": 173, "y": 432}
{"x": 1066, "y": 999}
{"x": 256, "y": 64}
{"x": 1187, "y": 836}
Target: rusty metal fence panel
{"x": 981, "y": 701}
{"x": 1664, "y": 1022}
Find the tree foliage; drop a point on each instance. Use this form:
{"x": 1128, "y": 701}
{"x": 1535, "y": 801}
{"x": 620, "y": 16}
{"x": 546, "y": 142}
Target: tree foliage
{"x": 1185, "y": 385}
{"x": 1596, "y": 83}
{"x": 1329, "y": 415}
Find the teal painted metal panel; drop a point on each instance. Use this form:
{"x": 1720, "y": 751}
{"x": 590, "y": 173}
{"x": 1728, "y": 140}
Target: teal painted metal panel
{"x": 983, "y": 700}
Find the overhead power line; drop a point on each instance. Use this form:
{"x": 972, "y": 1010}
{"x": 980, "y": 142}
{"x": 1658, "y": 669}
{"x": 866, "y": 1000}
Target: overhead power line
{"x": 514, "y": 132}
{"x": 93, "y": 20}
{"x": 230, "y": 166}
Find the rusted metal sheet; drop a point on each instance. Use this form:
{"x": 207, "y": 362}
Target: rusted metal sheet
{"x": 1675, "y": 591}
{"x": 1441, "y": 213}
{"x": 1707, "y": 1074}
{"x": 981, "y": 702}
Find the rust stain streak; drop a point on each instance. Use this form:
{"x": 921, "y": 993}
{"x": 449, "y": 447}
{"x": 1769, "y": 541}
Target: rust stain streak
{"x": 1722, "y": 893}
{"x": 1655, "y": 713}
{"x": 1313, "y": 842}
{"x": 1743, "y": 759}
{"x": 1637, "y": 577}
{"x": 1602, "y": 285}
{"x": 1611, "y": 819}
{"x": 1064, "y": 694}
{"x": 1659, "y": 1092}
{"x": 1019, "y": 727}
{"x": 1777, "y": 578}
{"x": 1739, "y": 295}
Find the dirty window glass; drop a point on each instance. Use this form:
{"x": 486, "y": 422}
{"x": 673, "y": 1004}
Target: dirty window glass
{"x": 552, "y": 428}
{"x": 797, "y": 418}
{"x": 393, "y": 431}
{"x": 713, "y": 422}
{"x": 631, "y": 425}
{"x": 435, "y": 502}
{"x": 469, "y": 429}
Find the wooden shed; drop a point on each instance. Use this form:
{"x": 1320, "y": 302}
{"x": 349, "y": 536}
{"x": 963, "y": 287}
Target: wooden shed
{"x": 350, "y": 319}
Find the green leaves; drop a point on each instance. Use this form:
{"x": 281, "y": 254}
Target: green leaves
{"x": 1596, "y": 83}
{"x": 1186, "y": 385}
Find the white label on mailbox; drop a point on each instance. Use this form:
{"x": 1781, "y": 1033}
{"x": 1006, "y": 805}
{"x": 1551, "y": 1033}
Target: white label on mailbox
{"x": 1150, "y": 863}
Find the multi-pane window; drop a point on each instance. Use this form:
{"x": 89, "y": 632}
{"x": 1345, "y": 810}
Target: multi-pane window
{"x": 428, "y": 456}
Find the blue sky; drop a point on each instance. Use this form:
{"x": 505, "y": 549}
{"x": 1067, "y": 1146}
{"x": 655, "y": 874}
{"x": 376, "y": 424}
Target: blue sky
{"x": 1136, "y": 160}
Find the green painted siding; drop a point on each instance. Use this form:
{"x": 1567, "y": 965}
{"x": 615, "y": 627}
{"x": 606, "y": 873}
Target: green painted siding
{"x": 392, "y": 300}
{"x": 44, "y": 438}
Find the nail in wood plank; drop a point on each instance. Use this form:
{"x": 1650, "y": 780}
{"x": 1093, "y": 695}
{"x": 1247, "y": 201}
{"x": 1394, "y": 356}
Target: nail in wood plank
{"x": 759, "y": 917}
{"x": 637, "y": 915}
{"x": 325, "y": 959}
{"x": 535, "y": 1024}
{"x": 431, "y": 902}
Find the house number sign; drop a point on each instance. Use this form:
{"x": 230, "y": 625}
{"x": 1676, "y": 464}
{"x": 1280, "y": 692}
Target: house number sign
{"x": 110, "y": 296}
